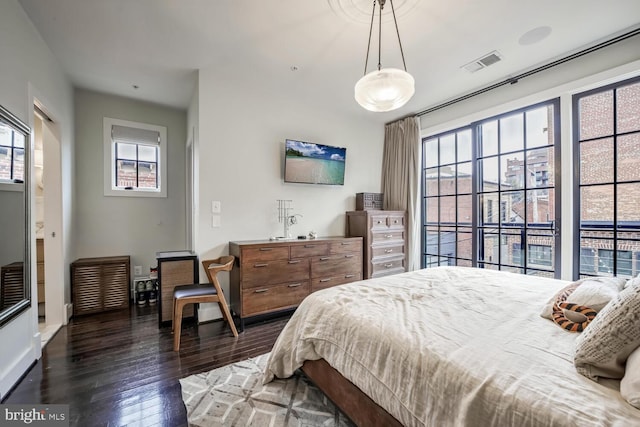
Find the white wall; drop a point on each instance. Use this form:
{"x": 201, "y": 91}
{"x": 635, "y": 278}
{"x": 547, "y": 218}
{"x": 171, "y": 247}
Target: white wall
{"x": 243, "y": 122}
{"x": 614, "y": 63}
{"x": 135, "y": 226}
{"x": 29, "y": 69}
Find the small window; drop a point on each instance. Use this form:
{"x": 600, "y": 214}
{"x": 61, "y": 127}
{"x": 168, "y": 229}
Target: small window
{"x": 135, "y": 159}
{"x": 11, "y": 155}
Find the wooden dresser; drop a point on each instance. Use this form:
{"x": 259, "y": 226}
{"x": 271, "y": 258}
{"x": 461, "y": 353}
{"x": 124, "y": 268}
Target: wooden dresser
{"x": 385, "y": 245}
{"x": 270, "y": 276}
{"x": 100, "y": 284}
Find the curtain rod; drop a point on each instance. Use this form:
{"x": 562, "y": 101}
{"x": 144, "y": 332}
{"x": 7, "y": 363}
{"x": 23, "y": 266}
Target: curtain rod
{"x": 515, "y": 79}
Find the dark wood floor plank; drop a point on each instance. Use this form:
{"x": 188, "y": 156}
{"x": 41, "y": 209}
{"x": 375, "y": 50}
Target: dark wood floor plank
{"x": 119, "y": 368}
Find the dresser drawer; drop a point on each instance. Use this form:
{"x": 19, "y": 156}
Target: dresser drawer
{"x": 262, "y": 273}
{"x": 265, "y": 253}
{"x": 345, "y": 247}
{"x": 332, "y": 265}
{"x": 265, "y": 299}
{"x": 387, "y": 251}
{"x": 377, "y": 222}
{"x": 387, "y": 236}
{"x": 395, "y": 221}
{"x": 384, "y": 268}
{"x": 327, "y": 282}
{"x": 309, "y": 249}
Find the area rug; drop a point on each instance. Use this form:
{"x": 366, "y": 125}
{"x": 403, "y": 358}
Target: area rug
{"x": 234, "y": 395}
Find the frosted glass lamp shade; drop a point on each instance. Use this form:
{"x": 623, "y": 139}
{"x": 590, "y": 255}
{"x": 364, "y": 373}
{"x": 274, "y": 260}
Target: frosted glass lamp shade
{"x": 385, "y": 89}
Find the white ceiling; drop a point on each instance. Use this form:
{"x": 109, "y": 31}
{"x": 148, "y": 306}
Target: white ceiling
{"x": 111, "y": 45}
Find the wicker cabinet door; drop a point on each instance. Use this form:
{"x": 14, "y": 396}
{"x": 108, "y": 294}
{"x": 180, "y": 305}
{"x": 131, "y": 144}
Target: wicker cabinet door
{"x": 115, "y": 294}
{"x": 175, "y": 272}
{"x": 87, "y": 295}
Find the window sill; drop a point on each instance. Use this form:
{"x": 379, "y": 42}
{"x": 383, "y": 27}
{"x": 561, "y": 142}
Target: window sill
{"x": 11, "y": 186}
{"x": 134, "y": 193}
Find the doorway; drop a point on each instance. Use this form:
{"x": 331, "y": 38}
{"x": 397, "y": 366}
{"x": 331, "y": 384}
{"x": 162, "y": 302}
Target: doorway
{"x": 48, "y": 220}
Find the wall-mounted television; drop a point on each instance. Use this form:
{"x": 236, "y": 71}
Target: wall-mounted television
{"x": 309, "y": 163}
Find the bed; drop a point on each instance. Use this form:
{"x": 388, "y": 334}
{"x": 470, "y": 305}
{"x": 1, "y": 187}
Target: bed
{"x": 446, "y": 346}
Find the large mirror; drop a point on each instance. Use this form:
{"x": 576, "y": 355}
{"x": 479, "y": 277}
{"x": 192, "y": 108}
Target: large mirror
{"x": 14, "y": 216}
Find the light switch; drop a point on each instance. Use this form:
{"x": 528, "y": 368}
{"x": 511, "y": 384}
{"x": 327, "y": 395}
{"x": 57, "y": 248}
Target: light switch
{"x": 216, "y": 206}
{"x": 215, "y": 221}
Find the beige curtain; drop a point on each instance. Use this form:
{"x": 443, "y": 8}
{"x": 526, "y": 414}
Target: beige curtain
{"x": 401, "y": 179}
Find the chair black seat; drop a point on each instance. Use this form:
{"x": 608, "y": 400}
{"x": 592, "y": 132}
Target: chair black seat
{"x": 185, "y": 291}
{"x": 203, "y": 293}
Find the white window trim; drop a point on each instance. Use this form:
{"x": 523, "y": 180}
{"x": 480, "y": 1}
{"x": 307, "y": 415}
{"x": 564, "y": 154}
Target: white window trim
{"x": 109, "y": 161}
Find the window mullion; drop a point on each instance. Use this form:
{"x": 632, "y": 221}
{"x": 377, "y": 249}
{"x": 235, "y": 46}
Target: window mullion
{"x": 476, "y": 141}
{"x": 615, "y": 182}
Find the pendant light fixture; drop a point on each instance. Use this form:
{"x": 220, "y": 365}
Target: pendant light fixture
{"x": 384, "y": 89}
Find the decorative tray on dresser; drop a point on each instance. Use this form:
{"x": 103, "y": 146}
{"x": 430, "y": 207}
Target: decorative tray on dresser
{"x": 272, "y": 276}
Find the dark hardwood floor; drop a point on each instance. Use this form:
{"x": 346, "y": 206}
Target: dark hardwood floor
{"x": 119, "y": 368}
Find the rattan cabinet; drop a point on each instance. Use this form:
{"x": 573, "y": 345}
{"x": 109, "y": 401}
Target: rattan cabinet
{"x": 175, "y": 268}
{"x": 11, "y": 284}
{"x": 100, "y": 284}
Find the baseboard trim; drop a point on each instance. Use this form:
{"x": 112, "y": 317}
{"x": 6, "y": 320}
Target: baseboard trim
{"x": 69, "y": 308}
{"x": 12, "y": 376}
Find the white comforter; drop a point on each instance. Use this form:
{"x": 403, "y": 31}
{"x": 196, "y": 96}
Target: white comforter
{"x": 451, "y": 346}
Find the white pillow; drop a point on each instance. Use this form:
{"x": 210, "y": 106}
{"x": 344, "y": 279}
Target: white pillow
{"x": 604, "y": 346}
{"x": 592, "y": 292}
{"x": 632, "y": 281}
{"x": 630, "y": 384}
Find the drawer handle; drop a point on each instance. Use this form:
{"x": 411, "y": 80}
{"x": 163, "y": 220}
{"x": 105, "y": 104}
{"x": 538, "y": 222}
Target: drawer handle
{"x": 344, "y": 243}
{"x": 260, "y": 265}
{"x": 388, "y": 236}
{"x": 260, "y": 291}
{"x": 295, "y": 285}
{"x": 349, "y": 256}
{"x": 266, "y": 249}
{"x": 325, "y": 280}
{"x": 388, "y": 265}
{"x": 324, "y": 258}
{"x": 388, "y": 251}
{"x": 349, "y": 276}
{"x": 294, "y": 261}
{"x": 380, "y": 221}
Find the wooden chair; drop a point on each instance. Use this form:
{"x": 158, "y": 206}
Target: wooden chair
{"x": 195, "y": 294}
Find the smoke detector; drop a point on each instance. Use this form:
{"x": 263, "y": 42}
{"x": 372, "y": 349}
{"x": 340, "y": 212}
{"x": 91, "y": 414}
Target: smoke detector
{"x": 483, "y": 62}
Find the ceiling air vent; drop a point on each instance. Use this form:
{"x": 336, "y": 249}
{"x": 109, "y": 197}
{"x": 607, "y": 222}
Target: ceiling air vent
{"x": 483, "y": 62}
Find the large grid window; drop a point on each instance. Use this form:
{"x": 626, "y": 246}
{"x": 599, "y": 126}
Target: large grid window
{"x": 448, "y": 199}
{"x": 135, "y": 159}
{"x": 607, "y": 159}
{"x": 490, "y": 193}
{"x": 11, "y": 154}
{"x": 516, "y": 161}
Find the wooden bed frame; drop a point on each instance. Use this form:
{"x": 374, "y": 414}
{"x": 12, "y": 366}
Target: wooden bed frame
{"x": 359, "y": 407}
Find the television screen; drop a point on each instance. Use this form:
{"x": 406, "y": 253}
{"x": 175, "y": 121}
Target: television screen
{"x": 310, "y": 163}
